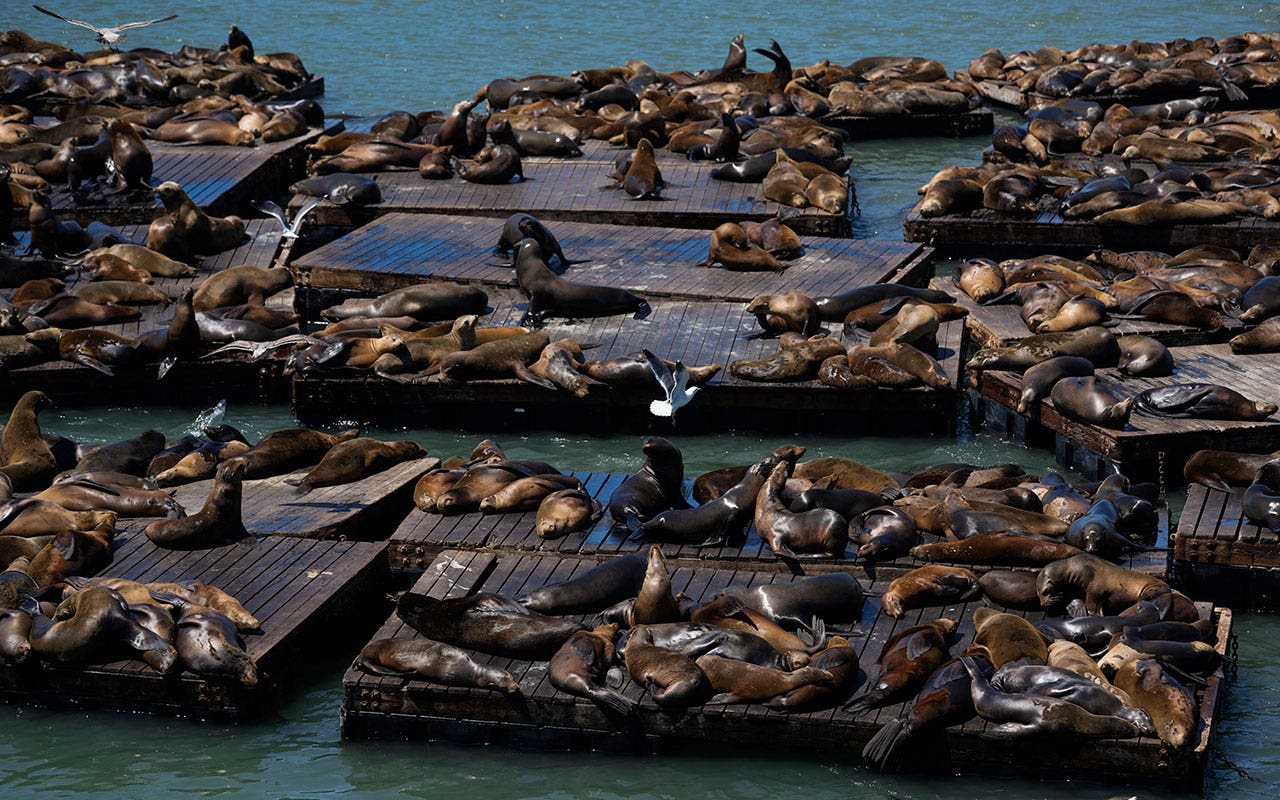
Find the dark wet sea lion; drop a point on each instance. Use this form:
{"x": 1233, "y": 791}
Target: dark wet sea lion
{"x": 657, "y": 487}
{"x": 488, "y": 623}
{"x": 816, "y": 533}
{"x": 1265, "y": 338}
{"x": 1261, "y": 500}
{"x": 131, "y": 456}
{"x": 208, "y": 644}
{"x": 883, "y": 534}
{"x": 1015, "y": 590}
{"x": 94, "y": 624}
{"x": 552, "y": 296}
{"x": 581, "y": 665}
{"x": 1143, "y": 356}
{"x": 655, "y": 602}
{"x": 835, "y": 308}
{"x": 533, "y": 142}
{"x": 674, "y": 681}
{"x": 1171, "y": 706}
{"x": 216, "y": 523}
{"x": 284, "y": 451}
{"x": 836, "y": 598}
{"x": 1039, "y": 380}
{"x": 907, "y": 659}
{"x": 1105, "y": 587}
{"x": 1202, "y": 401}
{"x": 1064, "y": 684}
{"x": 494, "y": 165}
{"x": 595, "y": 589}
{"x": 1220, "y": 469}
{"x": 713, "y": 522}
{"x": 1028, "y": 714}
{"x": 996, "y": 549}
{"x": 526, "y": 226}
{"x": 435, "y": 662}
{"x": 928, "y": 586}
{"x": 566, "y": 511}
{"x": 428, "y": 302}
{"x": 340, "y": 188}
{"x": 355, "y": 459}
{"x": 1087, "y": 400}
{"x": 25, "y": 458}
{"x": 944, "y": 699}
{"x": 131, "y": 157}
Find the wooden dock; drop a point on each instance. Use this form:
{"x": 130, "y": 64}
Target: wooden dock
{"x": 999, "y": 325}
{"x": 1149, "y": 448}
{"x": 366, "y": 510}
{"x": 188, "y": 383}
{"x": 959, "y": 234}
{"x": 221, "y": 179}
{"x": 695, "y": 332}
{"x": 401, "y": 249}
{"x": 1220, "y": 554}
{"x": 542, "y": 717}
{"x": 307, "y": 594}
{"x": 422, "y": 536}
{"x": 977, "y": 122}
{"x": 579, "y": 190}
{"x": 1007, "y": 94}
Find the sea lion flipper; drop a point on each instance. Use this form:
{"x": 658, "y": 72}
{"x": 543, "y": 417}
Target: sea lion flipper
{"x": 374, "y": 668}
{"x": 918, "y": 645}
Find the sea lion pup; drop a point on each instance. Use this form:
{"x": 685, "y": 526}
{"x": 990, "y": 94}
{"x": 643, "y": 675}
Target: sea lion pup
{"x": 94, "y": 624}
{"x": 789, "y": 311}
{"x": 581, "y": 665}
{"x": 642, "y": 179}
{"x": 673, "y": 680}
{"x": 907, "y": 659}
{"x": 355, "y": 459}
{"x": 552, "y": 296}
{"x": 808, "y": 534}
{"x": 566, "y": 511}
{"x": 657, "y": 487}
{"x": 208, "y": 644}
{"x": 1171, "y": 706}
{"x": 435, "y": 662}
{"x": 735, "y": 681}
{"x": 284, "y": 451}
{"x": 1202, "y": 401}
{"x": 186, "y": 230}
{"x": 1105, "y": 587}
{"x": 526, "y": 226}
{"x": 733, "y": 249}
{"x": 25, "y": 458}
{"x": 929, "y": 586}
{"x": 217, "y": 522}
{"x": 487, "y": 623}
{"x": 1027, "y": 714}
{"x": 239, "y": 285}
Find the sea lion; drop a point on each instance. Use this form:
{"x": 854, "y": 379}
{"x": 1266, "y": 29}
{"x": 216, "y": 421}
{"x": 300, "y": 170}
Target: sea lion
{"x": 835, "y": 597}
{"x": 1095, "y": 633}
{"x": 94, "y": 624}
{"x": 15, "y": 636}
{"x": 237, "y": 285}
{"x": 25, "y": 458}
{"x": 435, "y": 662}
{"x": 284, "y": 451}
{"x": 733, "y": 249}
{"x": 488, "y": 623}
{"x": 1142, "y": 356}
{"x": 217, "y": 522}
{"x": 1202, "y": 401}
{"x": 1003, "y": 638}
{"x": 716, "y": 521}
{"x": 1105, "y": 587}
{"x": 929, "y": 586}
{"x": 73, "y": 552}
{"x": 208, "y": 644}
{"x": 788, "y": 311}
{"x": 1171, "y": 706}
{"x": 642, "y": 179}
{"x": 526, "y": 494}
{"x": 504, "y": 358}
{"x": 1064, "y": 684}
{"x": 1089, "y": 401}
{"x": 1097, "y": 344}
{"x": 980, "y": 278}
{"x": 996, "y": 549}
{"x": 735, "y": 681}
{"x": 483, "y": 480}
{"x": 495, "y": 165}
{"x": 566, "y": 511}
{"x": 883, "y": 534}
{"x": 1265, "y": 338}
{"x": 340, "y": 188}
{"x": 355, "y": 459}
{"x": 130, "y": 456}
{"x": 1029, "y": 714}
{"x": 1040, "y": 379}
{"x": 674, "y": 681}
{"x": 655, "y": 603}
{"x": 155, "y": 264}
{"x": 657, "y": 487}
{"x": 526, "y": 226}
{"x": 945, "y": 698}
{"x": 428, "y": 302}
{"x": 798, "y": 359}
{"x": 186, "y": 230}
{"x": 839, "y": 659}
{"x": 1015, "y": 590}
{"x": 202, "y": 594}
{"x": 816, "y": 533}
{"x": 552, "y": 296}
{"x": 596, "y": 588}
{"x": 907, "y": 659}
{"x": 1261, "y": 500}
{"x": 581, "y": 665}
{"x": 1219, "y": 469}
{"x": 130, "y": 156}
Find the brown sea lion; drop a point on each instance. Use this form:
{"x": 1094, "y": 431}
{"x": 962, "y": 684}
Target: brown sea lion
{"x": 355, "y": 459}
{"x": 1039, "y": 380}
{"x": 798, "y": 359}
{"x": 1223, "y": 470}
{"x": 735, "y": 681}
{"x": 434, "y": 662}
{"x": 25, "y": 458}
{"x": 980, "y": 278}
{"x": 186, "y": 230}
{"x": 929, "y": 586}
{"x": 789, "y": 311}
{"x": 581, "y": 665}
{"x": 527, "y": 494}
{"x": 237, "y": 285}
{"x": 996, "y": 549}
{"x": 200, "y": 464}
{"x": 733, "y": 249}
{"x": 216, "y": 523}
{"x": 200, "y": 593}
{"x": 483, "y": 480}
{"x": 285, "y": 451}
{"x": 208, "y": 644}
{"x": 566, "y": 511}
{"x": 1089, "y": 401}
{"x": 1097, "y": 344}
{"x": 643, "y": 180}
{"x": 1171, "y": 706}
{"x": 1015, "y": 590}
{"x": 94, "y": 624}
{"x": 496, "y": 164}
{"x": 504, "y": 358}
{"x": 131, "y": 157}
{"x": 73, "y": 552}
{"x": 552, "y": 296}
{"x": 655, "y": 603}
{"x": 816, "y": 533}
{"x": 1003, "y": 638}
{"x": 1105, "y": 587}
{"x": 149, "y": 261}
{"x": 907, "y": 659}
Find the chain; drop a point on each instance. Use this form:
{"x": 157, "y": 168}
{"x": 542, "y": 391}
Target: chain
{"x": 1239, "y": 770}
{"x": 1233, "y": 656}
{"x": 1161, "y": 473}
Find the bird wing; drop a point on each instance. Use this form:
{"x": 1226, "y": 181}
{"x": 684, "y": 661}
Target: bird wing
{"x": 271, "y": 209}
{"x": 661, "y": 372}
{"x": 143, "y": 23}
{"x": 682, "y": 379}
{"x": 56, "y": 15}
{"x": 302, "y": 212}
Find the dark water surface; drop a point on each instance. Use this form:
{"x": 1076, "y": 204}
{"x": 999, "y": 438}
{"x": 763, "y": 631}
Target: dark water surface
{"x": 382, "y": 56}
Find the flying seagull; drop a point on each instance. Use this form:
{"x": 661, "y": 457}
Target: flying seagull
{"x": 107, "y": 36}
{"x": 290, "y": 229}
{"x": 676, "y": 386}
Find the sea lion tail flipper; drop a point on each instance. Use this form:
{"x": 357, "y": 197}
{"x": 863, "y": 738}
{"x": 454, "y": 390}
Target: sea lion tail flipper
{"x": 891, "y": 495}
{"x": 644, "y": 310}
{"x": 880, "y": 748}
{"x": 374, "y": 668}
{"x": 610, "y": 701}
{"x": 634, "y": 525}
{"x": 101, "y": 487}
{"x": 525, "y": 374}
{"x": 724, "y": 699}
{"x": 818, "y": 634}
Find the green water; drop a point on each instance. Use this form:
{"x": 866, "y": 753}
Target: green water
{"x": 381, "y": 56}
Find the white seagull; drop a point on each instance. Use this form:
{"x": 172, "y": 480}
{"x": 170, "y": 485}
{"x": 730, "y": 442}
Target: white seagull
{"x": 675, "y": 385}
{"x": 107, "y": 36}
{"x": 290, "y": 229}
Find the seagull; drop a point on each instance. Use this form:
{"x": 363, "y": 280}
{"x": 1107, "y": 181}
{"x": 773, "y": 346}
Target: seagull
{"x": 675, "y": 385}
{"x": 290, "y": 230}
{"x": 107, "y": 36}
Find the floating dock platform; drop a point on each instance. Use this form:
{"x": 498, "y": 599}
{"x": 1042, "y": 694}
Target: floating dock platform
{"x": 543, "y": 717}
{"x": 188, "y": 383}
{"x": 1219, "y": 554}
{"x": 422, "y": 536}
{"x": 302, "y": 591}
{"x": 976, "y": 122}
{"x": 1149, "y": 448}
